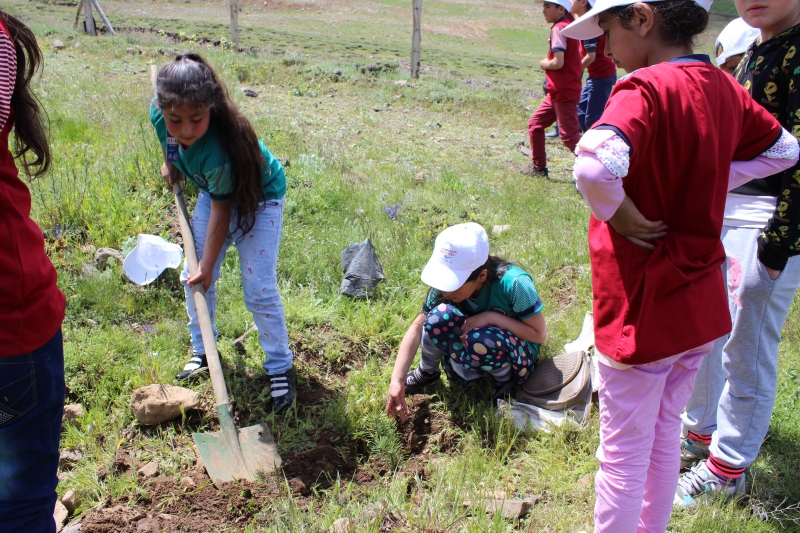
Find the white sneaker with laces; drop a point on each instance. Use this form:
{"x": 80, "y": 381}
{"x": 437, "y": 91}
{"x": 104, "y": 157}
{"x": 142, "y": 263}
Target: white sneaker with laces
{"x": 701, "y": 482}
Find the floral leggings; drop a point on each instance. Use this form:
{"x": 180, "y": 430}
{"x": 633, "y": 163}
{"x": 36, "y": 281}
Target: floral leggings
{"x": 485, "y": 352}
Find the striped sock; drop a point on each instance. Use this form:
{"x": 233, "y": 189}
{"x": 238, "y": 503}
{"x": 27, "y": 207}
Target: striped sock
{"x": 702, "y": 439}
{"x": 723, "y": 470}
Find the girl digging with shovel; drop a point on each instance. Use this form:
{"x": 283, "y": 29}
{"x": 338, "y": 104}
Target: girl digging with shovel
{"x": 242, "y": 188}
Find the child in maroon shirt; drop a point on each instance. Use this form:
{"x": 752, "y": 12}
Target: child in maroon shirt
{"x": 563, "y": 72}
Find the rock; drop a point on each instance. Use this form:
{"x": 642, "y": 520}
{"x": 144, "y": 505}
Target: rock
{"x": 60, "y": 514}
{"x": 72, "y": 529}
{"x": 497, "y": 229}
{"x": 419, "y": 177}
{"x": 149, "y": 470}
{"x": 58, "y": 45}
{"x": 249, "y": 92}
{"x": 341, "y": 525}
{"x": 148, "y": 525}
{"x": 157, "y": 403}
{"x": 188, "y": 483}
{"x": 69, "y": 458}
{"x": 72, "y": 412}
{"x": 500, "y": 494}
{"x": 509, "y": 509}
{"x": 102, "y": 255}
{"x": 70, "y": 501}
{"x": 337, "y": 72}
{"x": 297, "y": 486}
{"x": 402, "y": 83}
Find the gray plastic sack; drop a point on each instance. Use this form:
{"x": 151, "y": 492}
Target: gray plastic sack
{"x": 362, "y": 270}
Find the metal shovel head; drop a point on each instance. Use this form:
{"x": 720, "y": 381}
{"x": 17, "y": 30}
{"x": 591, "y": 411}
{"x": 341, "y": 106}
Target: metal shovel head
{"x": 256, "y": 452}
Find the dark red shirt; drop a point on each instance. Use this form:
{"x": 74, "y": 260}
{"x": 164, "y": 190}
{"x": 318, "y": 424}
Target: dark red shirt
{"x": 564, "y": 84}
{"x": 602, "y": 66}
{"x": 31, "y": 305}
{"x": 684, "y": 121}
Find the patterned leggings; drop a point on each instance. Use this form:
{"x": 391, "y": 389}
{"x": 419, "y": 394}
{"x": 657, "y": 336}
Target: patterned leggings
{"x": 485, "y": 351}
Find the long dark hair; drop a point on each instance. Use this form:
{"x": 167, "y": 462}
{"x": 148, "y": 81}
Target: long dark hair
{"x": 681, "y": 20}
{"x": 495, "y": 267}
{"x": 30, "y": 133}
{"x": 190, "y": 81}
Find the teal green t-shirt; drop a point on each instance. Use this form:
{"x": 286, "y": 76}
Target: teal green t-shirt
{"x": 513, "y": 295}
{"x": 207, "y": 166}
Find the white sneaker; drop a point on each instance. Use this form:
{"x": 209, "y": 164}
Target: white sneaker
{"x": 701, "y": 482}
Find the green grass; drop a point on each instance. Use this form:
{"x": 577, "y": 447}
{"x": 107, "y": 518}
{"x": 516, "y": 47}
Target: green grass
{"x": 348, "y": 162}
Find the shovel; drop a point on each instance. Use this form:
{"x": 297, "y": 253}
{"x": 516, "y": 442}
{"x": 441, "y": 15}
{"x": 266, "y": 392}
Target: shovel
{"x": 228, "y": 454}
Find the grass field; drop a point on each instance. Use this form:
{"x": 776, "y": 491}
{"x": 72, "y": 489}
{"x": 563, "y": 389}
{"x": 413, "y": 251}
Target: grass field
{"x": 355, "y": 142}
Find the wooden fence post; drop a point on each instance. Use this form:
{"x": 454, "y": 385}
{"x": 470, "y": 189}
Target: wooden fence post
{"x": 103, "y": 16}
{"x": 87, "y": 9}
{"x": 416, "y": 38}
{"x": 234, "y": 6}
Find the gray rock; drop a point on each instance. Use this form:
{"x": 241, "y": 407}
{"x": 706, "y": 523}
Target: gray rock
{"x": 149, "y": 470}
{"x": 69, "y": 458}
{"x": 148, "y": 525}
{"x": 58, "y": 45}
{"x": 72, "y": 412}
{"x": 60, "y": 515}
{"x": 157, "y": 403}
{"x": 103, "y": 255}
{"x": 70, "y": 501}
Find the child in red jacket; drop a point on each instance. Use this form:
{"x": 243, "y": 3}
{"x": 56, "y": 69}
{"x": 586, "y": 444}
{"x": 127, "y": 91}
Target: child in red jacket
{"x": 563, "y": 72}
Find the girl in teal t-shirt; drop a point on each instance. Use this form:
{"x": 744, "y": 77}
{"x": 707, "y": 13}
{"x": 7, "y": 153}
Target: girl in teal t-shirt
{"x": 482, "y": 319}
{"x": 242, "y": 188}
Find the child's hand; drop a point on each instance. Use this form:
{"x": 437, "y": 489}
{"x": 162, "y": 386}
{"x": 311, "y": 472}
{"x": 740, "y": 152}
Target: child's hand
{"x": 544, "y": 64}
{"x": 396, "y": 402}
{"x": 629, "y": 222}
{"x": 201, "y": 277}
{"x": 166, "y": 173}
{"x": 481, "y": 320}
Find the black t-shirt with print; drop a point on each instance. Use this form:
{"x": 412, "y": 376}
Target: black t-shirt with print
{"x": 771, "y": 73}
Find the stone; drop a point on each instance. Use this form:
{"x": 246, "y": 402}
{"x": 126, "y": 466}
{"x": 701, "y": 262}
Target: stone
{"x": 69, "y": 458}
{"x": 297, "y": 486}
{"x": 497, "y": 229}
{"x": 419, "y": 177}
{"x": 72, "y": 412}
{"x": 500, "y": 494}
{"x": 158, "y": 403}
{"x": 509, "y": 509}
{"x": 188, "y": 483}
{"x": 70, "y": 501}
{"x": 250, "y": 92}
{"x": 149, "y": 470}
{"x": 58, "y": 45}
{"x": 341, "y": 525}
{"x": 73, "y": 528}
{"x": 148, "y": 525}
{"x": 60, "y": 514}
{"x": 102, "y": 256}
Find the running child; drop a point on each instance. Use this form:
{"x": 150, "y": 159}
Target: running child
{"x": 31, "y": 305}
{"x": 242, "y": 188}
{"x": 728, "y": 415}
{"x": 563, "y": 89}
{"x": 655, "y": 169}
{"x": 482, "y": 318}
{"x": 602, "y": 73}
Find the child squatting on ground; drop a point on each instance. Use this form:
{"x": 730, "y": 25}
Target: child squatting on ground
{"x": 728, "y": 415}
{"x": 242, "y": 188}
{"x": 482, "y": 318}
{"x": 602, "y": 73}
{"x": 563, "y": 87}
{"x": 31, "y": 305}
{"x": 676, "y": 135}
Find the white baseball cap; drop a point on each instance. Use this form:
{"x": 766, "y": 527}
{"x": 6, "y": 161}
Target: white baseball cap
{"x": 150, "y": 258}
{"x": 735, "y": 39}
{"x": 458, "y": 252}
{"x": 586, "y": 27}
{"x": 566, "y": 4}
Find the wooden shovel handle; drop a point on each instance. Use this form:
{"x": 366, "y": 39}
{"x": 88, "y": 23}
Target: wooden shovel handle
{"x": 199, "y": 294}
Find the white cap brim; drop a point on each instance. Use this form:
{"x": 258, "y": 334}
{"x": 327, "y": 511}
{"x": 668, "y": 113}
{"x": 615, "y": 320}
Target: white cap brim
{"x": 441, "y": 278}
{"x": 586, "y": 27}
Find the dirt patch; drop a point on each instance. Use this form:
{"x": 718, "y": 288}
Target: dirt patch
{"x": 327, "y": 349}
{"x": 318, "y": 466}
{"x": 426, "y": 428}
{"x": 565, "y": 283}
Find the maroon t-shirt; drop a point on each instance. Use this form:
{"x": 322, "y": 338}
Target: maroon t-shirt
{"x": 602, "y": 66}
{"x": 31, "y": 305}
{"x": 684, "y": 121}
{"x": 564, "y": 84}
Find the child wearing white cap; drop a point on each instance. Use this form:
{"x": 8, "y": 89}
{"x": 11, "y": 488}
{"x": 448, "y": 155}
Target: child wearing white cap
{"x": 732, "y": 44}
{"x": 482, "y": 318}
{"x": 655, "y": 170}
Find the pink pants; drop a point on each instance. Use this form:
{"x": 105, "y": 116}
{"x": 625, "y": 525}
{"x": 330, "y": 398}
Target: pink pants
{"x": 639, "y": 453}
{"x": 548, "y": 112}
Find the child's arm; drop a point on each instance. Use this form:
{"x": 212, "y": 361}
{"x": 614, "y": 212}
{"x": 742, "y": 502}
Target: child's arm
{"x": 553, "y": 64}
{"x": 396, "y": 402}
{"x": 531, "y": 329}
{"x": 588, "y": 59}
{"x": 217, "y": 232}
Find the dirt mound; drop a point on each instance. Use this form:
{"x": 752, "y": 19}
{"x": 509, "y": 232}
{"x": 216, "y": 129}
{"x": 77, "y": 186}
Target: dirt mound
{"x": 318, "y": 466}
{"x": 425, "y": 427}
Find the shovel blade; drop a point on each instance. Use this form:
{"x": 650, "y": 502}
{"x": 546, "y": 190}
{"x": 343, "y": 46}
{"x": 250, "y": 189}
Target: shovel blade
{"x": 223, "y": 463}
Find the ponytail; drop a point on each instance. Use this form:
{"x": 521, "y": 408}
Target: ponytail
{"x": 30, "y": 133}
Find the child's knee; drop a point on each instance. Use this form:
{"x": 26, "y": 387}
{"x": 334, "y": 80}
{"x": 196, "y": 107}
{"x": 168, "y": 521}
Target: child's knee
{"x": 444, "y": 316}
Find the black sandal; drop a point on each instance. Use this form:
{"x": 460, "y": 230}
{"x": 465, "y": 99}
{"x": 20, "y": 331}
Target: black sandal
{"x": 417, "y": 378}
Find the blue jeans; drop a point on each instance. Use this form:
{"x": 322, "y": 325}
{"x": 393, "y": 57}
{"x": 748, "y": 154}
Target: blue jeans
{"x": 735, "y": 389}
{"x": 31, "y": 407}
{"x": 593, "y": 100}
{"x": 258, "y": 261}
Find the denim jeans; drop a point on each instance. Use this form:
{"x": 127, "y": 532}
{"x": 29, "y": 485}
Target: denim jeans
{"x": 736, "y": 386}
{"x": 593, "y": 100}
{"x": 31, "y": 407}
{"x": 258, "y": 260}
